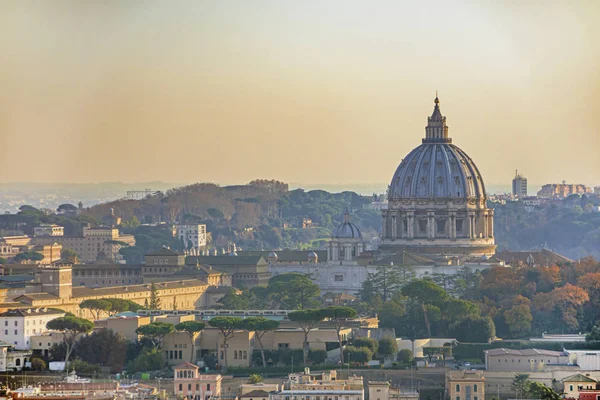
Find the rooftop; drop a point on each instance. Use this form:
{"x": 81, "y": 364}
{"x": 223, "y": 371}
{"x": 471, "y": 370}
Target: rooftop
{"x": 29, "y": 312}
{"x": 524, "y": 352}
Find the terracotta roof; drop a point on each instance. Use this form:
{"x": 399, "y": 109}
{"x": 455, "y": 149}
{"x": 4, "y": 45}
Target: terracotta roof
{"x": 256, "y": 393}
{"x": 541, "y": 257}
{"x": 186, "y": 365}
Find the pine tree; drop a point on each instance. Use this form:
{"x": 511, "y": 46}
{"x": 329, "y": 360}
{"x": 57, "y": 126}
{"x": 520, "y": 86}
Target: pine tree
{"x": 174, "y": 303}
{"x": 154, "y": 299}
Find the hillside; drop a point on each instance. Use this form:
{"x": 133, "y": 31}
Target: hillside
{"x": 252, "y": 216}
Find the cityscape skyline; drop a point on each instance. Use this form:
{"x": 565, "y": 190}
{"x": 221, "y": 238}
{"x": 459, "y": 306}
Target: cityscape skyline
{"x": 242, "y": 87}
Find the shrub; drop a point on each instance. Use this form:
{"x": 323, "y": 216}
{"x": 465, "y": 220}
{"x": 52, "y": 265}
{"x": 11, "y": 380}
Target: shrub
{"x": 148, "y": 360}
{"x": 85, "y": 369}
{"x": 357, "y": 354}
{"x": 387, "y": 346}
{"x": 37, "y": 364}
{"x": 370, "y": 343}
{"x": 405, "y": 356}
{"x": 317, "y": 356}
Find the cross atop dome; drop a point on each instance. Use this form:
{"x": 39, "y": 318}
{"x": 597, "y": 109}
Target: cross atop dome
{"x": 436, "y": 130}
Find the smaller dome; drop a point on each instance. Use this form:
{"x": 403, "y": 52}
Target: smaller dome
{"x": 313, "y": 257}
{"x": 272, "y": 256}
{"x": 347, "y": 230}
{"x": 233, "y": 253}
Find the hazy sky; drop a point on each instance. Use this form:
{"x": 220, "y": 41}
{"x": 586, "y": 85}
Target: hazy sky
{"x": 302, "y": 91}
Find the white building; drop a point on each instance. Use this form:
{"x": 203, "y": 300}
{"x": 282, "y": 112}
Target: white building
{"x": 48, "y": 230}
{"x": 18, "y": 326}
{"x": 139, "y": 194}
{"x": 192, "y": 235}
{"x": 587, "y": 360}
{"x": 11, "y": 359}
{"x": 519, "y": 185}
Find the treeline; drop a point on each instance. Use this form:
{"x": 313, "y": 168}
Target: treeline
{"x": 570, "y": 227}
{"x": 472, "y": 306}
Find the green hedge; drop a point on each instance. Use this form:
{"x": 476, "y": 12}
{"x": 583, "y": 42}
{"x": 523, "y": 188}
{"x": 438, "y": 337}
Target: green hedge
{"x": 285, "y": 356}
{"x": 474, "y": 351}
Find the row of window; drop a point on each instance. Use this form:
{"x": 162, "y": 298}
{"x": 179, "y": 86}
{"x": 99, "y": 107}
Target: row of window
{"x": 189, "y": 387}
{"x": 474, "y": 388}
{"x": 237, "y": 355}
{"x": 174, "y": 354}
{"x": 531, "y": 360}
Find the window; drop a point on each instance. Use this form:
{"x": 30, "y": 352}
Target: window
{"x": 570, "y": 388}
{"x": 5, "y": 323}
{"x": 338, "y": 278}
{"x": 458, "y": 388}
{"x": 189, "y": 386}
{"x": 180, "y": 354}
{"x": 235, "y": 354}
{"x": 180, "y": 387}
{"x": 475, "y": 388}
{"x": 16, "y": 332}
{"x": 441, "y": 225}
{"x": 16, "y": 323}
{"x": 208, "y": 386}
{"x": 457, "y": 397}
{"x": 475, "y": 398}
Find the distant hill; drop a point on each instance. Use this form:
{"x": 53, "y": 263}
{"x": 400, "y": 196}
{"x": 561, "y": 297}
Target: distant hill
{"x": 252, "y": 215}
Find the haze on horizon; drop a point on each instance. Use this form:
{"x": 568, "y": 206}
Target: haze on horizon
{"x": 311, "y": 91}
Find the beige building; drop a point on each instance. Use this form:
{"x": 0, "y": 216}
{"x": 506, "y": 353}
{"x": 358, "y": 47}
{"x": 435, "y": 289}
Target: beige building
{"x": 18, "y": 326}
{"x": 125, "y": 325}
{"x": 106, "y": 275}
{"x": 48, "y": 230}
{"x": 11, "y": 360}
{"x": 245, "y": 271}
{"x": 465, "y": 385}
{"x": 322, "y": 385}
{"x": 526, "y": 360}
{"x": 95, "y": 243}
{"x": 573, "y": 384}
{"x": 383, "y": 390}
{"x": 187, "y": 382}
{"x": 54, "y": 288}
{"x": 42, "y": 343}
{"x": 562, "y": 190}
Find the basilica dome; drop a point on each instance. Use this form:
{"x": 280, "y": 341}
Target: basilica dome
{"x": 437, "y": 199}
{"x": 347, "y": 230}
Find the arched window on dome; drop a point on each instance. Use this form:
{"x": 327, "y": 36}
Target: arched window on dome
{"x": 423, "y": 226}
{"x": 459, "y": 225}
{"x": 341, "y": 252}
{"x": 441, "y": 226}
{"x": 353, "y": 251}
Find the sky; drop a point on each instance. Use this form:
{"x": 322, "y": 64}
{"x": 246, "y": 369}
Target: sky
{"x": 330, "y": 92}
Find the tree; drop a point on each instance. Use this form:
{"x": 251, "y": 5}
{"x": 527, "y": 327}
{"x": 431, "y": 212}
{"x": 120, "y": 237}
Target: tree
{"x": 474, "y": 329}
{"x": 520, "y": 385}
{"x": 253, "y": 379}
{"x": 307, "y": 319}
{"x": 154, "y": 298}
{"x": 234, "y": 301}
{"x": 122, "y": 305}
{"x": 227, "y": 326}
{"x": 96, "y": 307}
{"x": 191, "y": 328}
{"x": 29, "y": 256}
{"x": 385, "y": 281}
{"x": 339, "y": 317}
{"x": 38, "y": 364}
{"x": 370, "y": 343}
{"x": 357, "y": 354}
{"x": 260, "y": 326}
{"x": 294, "y": 291}
{"x": 103, "y": 347}
{"x": 594, "y": 335}
{"x": 518, "y": 319}
{"x": 155, "y": 332}
{"x": 426, "y": 293}
{"x": 539, "y": 391}
{"x": 405, "y": 356}
{"x": 70, "y": 326}
{"x": 66, "y": 208}
{"x": 387, "y": 346}
{"x": 69, "y": 254}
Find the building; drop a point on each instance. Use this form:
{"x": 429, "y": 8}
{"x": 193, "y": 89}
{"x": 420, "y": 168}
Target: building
{"x": 465, "y": 385}
{"x": 105, "y": 275}
{"x": 247, "y": 388}
{"x": 245, "y": 271}
{"x": 48, "y": 230}
{"x": 41, "y": 343}
{"x": 526, "y": 360}
{"x": 437, "y": 200}
{"x": 95, "y": 243}
{"x": 11, "y": 359}
{"x": 139, "y": 194}
{"x": 519, "y": 185}
{"x": 187, "y": 382}
{"x": 193, "y": 236}
{"x": 53, "y": 288}
{"x": 573, "y": 384}
{"x": 383, "y": 390}
{"x": 18, "y": 326}
{"x": 563, "y": 190}
{"x": 258, "y": 394}
{"x": 587, "y": 360}
{"x": 322, "y": 385}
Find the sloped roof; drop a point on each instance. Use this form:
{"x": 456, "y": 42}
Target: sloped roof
{"x": 405, "y": 258}
{"x": 542, "y": 257}
{"x": 256, "y": 393}
{"x": 29, "y": 312}
{"x": 163, "y": 252}
{"x": 186, "y": 365}
{"x": 225, "y": 260}
{"x": 579, "y": 378}
{"x": 524, "y": 352}
{"x": 286, "y": 255}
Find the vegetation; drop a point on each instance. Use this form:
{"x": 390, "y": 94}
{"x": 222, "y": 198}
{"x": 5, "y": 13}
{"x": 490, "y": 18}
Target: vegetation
{"x": 405, "y": 356}
{"x": 260, "y": 326}
{"x": 155, "y": 332}
{"x": 387, "y": 346}
{"x": 154, "y": 303}
{"x": 191, "y": 328}
{"x": 70, "y": 326}
{"x": 359, "y": 355}
{"x": 29, "y": 256}
{"x": 307, "y": 319}
{"x": 227, "y": 326}
{"x": 255, "y": 378}
{"x": 109, "y": 306}
{"x": 339, "y": 316}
